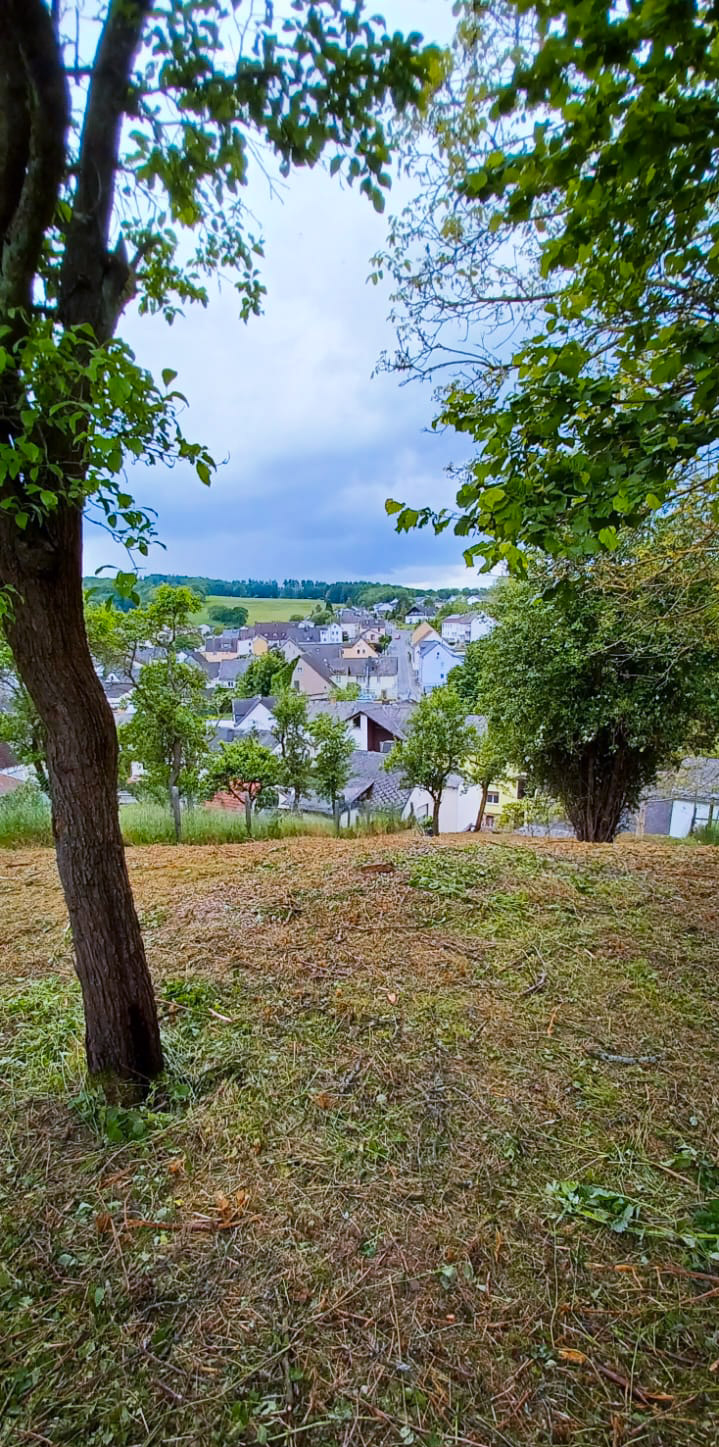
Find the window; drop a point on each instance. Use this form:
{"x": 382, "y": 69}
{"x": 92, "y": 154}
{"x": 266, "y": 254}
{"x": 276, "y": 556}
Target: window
{"x": 493, "y": 797}
{"x": 489, "y": 821}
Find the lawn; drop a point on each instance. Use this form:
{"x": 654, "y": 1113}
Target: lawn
{"x": 259, "y": 610}
{"x": 434, "y": 1161}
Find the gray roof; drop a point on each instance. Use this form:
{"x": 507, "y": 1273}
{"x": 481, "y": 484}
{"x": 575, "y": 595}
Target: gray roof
{"x": 242, "y": 706}
{"x": 696, "y": 777}
{"x": 369, "y": 785}
{"x": 428, "y": 643}
{"x": 210, "y": 670}
{"x": 391, "y": 716}
{"x": 382, "y": 667}
{"x": 231, "y": 669}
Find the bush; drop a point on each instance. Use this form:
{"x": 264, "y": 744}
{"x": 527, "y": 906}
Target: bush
{"x": 25, "y": 821}
{"x": 25, "y": 818}
{"x": 706, "y": 833}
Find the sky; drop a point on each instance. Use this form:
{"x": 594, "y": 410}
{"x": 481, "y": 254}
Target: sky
{"x": 310, "y": 442}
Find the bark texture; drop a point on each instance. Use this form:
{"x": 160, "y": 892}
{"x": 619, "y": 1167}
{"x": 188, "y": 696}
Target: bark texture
{"x": 481, "y": 809}
{"x": 47, "y": 636}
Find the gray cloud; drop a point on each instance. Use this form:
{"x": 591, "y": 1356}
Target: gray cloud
{"x": 313, "y": 442}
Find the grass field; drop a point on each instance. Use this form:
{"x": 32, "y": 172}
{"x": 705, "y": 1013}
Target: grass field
{"x": 259, "y": 610}
{"x": 434, "y": 1161}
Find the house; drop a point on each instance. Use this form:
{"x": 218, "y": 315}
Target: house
{"x": 312, "y": 675}
{"x": 231, "y": 669}
{"x": 8, "y": 784}
{"x": 435, "y": 663}
{"x": 682, "y": 799}
{"x": 421, "y": 632}
{"x": 375, "y": 727}
{"x": 353, "y": 620}
{"x": 252, "y": 715}
{"x": 359, "y": 648}
{"x": 377, "y": 677}
{"x": 463, "y": 628}
{"x": 420, "y": 611}
{"x": 223, "y": 645}
{"x": 383, "y": 610}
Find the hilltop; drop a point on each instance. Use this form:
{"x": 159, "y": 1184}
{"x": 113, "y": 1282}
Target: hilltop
{"x": 337, "y": 1224}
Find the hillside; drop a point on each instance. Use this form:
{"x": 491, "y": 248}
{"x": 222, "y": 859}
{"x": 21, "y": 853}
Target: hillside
{"x": 259, "y": 610}
{"x": 333, "y": 1226}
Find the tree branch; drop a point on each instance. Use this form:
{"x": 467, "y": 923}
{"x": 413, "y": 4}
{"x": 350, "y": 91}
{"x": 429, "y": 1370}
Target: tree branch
{"x": 88, "y": 293}
{"x": 27, "y": 27}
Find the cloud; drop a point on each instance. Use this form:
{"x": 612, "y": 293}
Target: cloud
{"x": 311, "y": 443}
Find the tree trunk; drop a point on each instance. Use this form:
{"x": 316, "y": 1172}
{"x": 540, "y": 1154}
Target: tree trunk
{"x": 174, "y": 790}
{"x": 336, "y": 814}
{"x": 481, "y": 809}
{"x": 595, "y": 788}
{"x": 435, "y": 814}
{"x": 43, "y": 565}
{"x": 248, "y": 813}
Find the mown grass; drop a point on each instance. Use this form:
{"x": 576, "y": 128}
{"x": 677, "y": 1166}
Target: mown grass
{"x": 25, "y": 821}
{"x": 346, "y": 1217}
{"x": 259, "y": 610}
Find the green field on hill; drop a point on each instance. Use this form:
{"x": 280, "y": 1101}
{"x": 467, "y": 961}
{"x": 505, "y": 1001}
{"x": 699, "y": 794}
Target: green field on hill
{"x": 259, "y": 610}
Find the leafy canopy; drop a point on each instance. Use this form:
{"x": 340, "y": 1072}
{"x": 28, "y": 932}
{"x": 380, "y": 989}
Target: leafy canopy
{"x": 167, "y": 733}
{"x": 144, "y": 123}
{"x": 333, "y": 754}
{"x": 592, "y": 686}
{"x": 246, "y": 770}
{"x": 439, "y": 740}
{"x": 292, "y": 731}
{"x": 563, "y": 265}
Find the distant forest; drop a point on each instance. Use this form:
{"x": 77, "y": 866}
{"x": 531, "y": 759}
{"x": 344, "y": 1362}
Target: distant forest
{"x": 361, "y": 593}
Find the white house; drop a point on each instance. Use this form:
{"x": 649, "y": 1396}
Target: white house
{"x": 435, "y": 662}
{"x": 252, "y": 715}
{"x": 419, "y": 612}
{"x": 463, "y": 628}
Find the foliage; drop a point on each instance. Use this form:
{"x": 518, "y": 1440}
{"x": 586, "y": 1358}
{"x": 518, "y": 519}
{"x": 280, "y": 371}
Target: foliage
{"x": 20, "y": 724}
{"x": 535, "y": 812}
{"x": 345, "y": 692}
{"x": 291, "y": 728}
{"x": 624, "y": 1216}
{"x": 25, "y": 818}
{"x": 247, "y": 771}
{"x": 183, "y": 166}
{"x": 167, "y": 733}
{"x": 265, "y": 675}
{"x": 571, "y": 197}
{"x": 486, "y": 764}
{"x": 232, "y": 617}
{"x": 333, "y": 754}
{"x": 591, "y": 688}
{"x": 438, "y": 743}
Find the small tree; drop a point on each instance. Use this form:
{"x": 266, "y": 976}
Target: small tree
{"x": 291, "y": 728}
{"x": 438, "y": 743}
{"x": 168, "y": 732}
{"x": 232, "y": 617}
{"x": 266, "y": 674}
{"x": 246, "y": 770}
{"x": 345, "y": 692}
{"x": 594, "y": 690}
{"x": 486, "y": 765}
{"x": 331, "y": 769}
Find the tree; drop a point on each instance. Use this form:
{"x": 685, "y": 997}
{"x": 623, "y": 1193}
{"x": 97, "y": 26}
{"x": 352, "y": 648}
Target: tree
{"x": 20, "y": 725}
{"x": 266, "y": 674}
{"x": 235, "y": 617}
{"x": 572, "y": 199}
{"x": 120, "y": 174}
{"x": 167, "y": 733}
{"x": 331, "y": 766}
{"x": 345, "y": 692}
{"x": 485, "y": 765}
{"x": 291, "y": 729}
{"x": 246, "y": 770}
{"x": 592, "y": 690}
{"x": 438, "y": 743}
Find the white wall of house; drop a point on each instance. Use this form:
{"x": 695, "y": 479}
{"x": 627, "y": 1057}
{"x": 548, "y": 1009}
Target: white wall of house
{"x": 456, "y": 812}
{"x": 259, "y": 718}
{"x": 435, "y": 665}
{"x": 330, "y": 633}
{"x": 687, "y": 814}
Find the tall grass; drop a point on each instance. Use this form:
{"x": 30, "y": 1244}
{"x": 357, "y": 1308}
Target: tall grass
{"x": 25, "y": 821}
{"x": 706, "y": 834}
